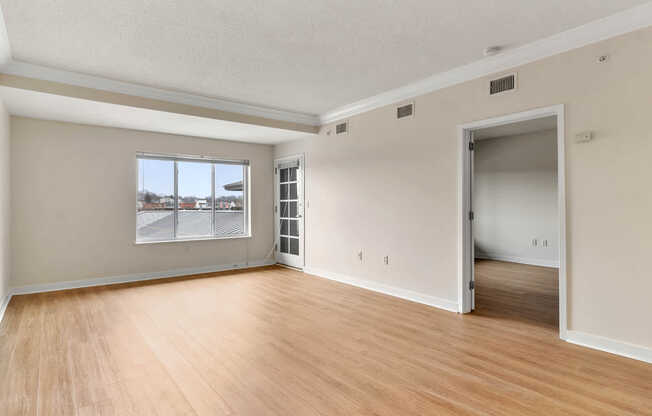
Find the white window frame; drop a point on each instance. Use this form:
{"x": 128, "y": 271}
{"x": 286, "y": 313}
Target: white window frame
{"x": 212, "y": 161}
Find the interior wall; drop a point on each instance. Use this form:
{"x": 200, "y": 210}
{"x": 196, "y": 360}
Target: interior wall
{"x": 74, "y": 203}
{"x": 515, "y": 198}
{"x": 5, "y": 205}
{"x": 389, "y": 186}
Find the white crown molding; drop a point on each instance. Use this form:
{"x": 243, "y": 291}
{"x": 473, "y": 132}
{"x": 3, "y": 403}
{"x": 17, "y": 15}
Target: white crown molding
{"x": 596, "y": 342}
{"x": 617, "y": 24}
{"x": 137, "y": 277}
{"x": 398, "y": 292}
{"x": 40, "y": 72}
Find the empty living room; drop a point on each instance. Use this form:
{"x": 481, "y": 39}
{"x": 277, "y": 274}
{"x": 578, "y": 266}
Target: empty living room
{"x": 325, "y": 208}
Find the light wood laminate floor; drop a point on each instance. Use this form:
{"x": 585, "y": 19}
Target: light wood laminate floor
{"x": 274, "y": 341}
{"x": 512, "y": 291}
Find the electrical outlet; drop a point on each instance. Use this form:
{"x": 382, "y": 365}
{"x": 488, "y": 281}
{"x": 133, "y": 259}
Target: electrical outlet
{"x": 386, "y": 260}
{"x": 535, "y": 242}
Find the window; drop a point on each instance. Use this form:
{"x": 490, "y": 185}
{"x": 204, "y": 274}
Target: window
{"x": 190, "y": 198}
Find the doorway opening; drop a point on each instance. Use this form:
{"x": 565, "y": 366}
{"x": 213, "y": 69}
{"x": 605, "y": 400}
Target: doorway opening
{"x": 289, "y": 211}
{"x": 512, "y": 218}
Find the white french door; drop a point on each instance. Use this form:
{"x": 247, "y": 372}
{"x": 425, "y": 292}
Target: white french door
{"x": 289, "y": 212}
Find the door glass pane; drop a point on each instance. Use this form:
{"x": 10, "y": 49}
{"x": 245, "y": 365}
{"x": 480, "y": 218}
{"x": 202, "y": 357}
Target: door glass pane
{"x": 284, "y": 210}
{"x": 155, "y": 202}
{"x": 294, "y": 228}
{"x": 293, "y": 210}
{"x": 293, "y": 174}
{"x": 284, "y": 245}
{"x": 284, "y": 175}
{"x": 284, "y": 227}
{"x": 294, "y": 246}
{"x": 194, "y": 207}
{"x": 293, "y": 191}
{"x": 229, "y": 200}
{"x": 284, "y": 191}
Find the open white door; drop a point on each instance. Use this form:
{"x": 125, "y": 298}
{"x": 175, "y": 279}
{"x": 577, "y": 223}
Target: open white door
{"x": 471, "y": 218}
{"x": 288, "y": 211}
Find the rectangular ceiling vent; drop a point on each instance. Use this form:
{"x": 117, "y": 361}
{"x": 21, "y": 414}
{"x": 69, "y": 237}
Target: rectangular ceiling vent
{"x": 502, "y": 84}
{"x": 406, "y": 110}
{"x": 342, "y": 128}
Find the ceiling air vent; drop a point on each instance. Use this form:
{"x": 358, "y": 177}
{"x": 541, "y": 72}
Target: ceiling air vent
{"x": 342, "y": 128}
{"x": 406, "y": 110}
{"x": 502, "y": 84}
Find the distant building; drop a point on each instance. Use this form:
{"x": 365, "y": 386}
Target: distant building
{"x": 153, "y": 205}
{"x": 167, "y": 201}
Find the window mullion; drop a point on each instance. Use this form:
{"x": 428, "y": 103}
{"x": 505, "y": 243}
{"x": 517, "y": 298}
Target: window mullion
{"x": 175, "y": 221}
{"x": 213, "y": 199}
{"x": 245, "y": 199}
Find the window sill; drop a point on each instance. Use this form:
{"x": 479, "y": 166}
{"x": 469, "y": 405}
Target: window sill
{"x": 186, "y": 240}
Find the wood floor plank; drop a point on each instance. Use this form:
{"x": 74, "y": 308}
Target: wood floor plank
{"x": 23, "y": 341}
{"x": 273, "y": 341}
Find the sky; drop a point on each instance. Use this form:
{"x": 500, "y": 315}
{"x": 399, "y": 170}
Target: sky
{"x": 194, "y": 178}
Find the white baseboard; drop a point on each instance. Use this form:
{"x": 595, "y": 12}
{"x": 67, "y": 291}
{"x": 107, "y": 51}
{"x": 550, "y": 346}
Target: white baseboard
{"x": 5, "y": 303}
{"x": 520, "y": 260}
{"x": 386, "y": 289}
{"x": 612, "y": 346}
{"x": 75, "y": 284}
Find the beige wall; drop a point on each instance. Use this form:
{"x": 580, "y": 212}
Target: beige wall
{"x": 74, "y": 203}
{"x": 515, "y": 198}
{"x": 5, "y": 205}
{"x": 390, "y": 186}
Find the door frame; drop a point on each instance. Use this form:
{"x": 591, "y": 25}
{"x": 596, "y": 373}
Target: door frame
{"x": 465, "y": 236}
{"x": 302, "y": 192}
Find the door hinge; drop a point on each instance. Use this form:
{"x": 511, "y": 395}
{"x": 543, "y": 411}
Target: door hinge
{"x": 275, "y": 171}
{"x": 471, "y": 146}
{"x": 471, "y": 216}
{"x": 472, "y": 285}
{"x": 275, "y": 247}
{"x": 275, "y": 208}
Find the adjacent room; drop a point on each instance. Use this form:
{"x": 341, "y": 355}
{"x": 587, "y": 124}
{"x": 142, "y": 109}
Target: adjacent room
{"x": 515, "y": 204}
{"x": 325, "y": 208}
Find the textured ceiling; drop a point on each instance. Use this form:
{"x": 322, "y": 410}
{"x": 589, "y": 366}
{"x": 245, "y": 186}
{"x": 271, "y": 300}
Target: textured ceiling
{"x": 308, "y": 56}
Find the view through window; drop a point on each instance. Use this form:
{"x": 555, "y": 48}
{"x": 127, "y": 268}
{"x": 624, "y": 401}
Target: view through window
{"x": 186, "y": 198}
